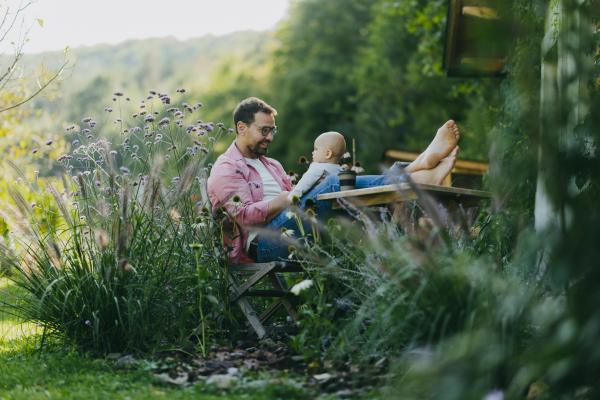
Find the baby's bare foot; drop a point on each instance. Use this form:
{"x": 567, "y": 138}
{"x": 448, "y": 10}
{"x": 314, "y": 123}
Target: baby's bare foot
{"x": 443, "y": 143}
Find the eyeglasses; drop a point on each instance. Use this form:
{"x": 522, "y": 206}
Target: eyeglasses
{"x": 265, "y": 130}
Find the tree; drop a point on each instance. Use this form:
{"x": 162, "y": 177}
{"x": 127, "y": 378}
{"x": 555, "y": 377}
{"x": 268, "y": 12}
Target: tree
{"x": 313, "y": 91}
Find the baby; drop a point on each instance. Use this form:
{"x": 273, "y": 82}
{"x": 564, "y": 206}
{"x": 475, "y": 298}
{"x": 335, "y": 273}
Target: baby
{"x": 329, "y": 148}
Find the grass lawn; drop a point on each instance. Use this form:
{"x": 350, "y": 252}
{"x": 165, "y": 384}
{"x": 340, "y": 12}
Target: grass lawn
{"x": 62, "y": 373}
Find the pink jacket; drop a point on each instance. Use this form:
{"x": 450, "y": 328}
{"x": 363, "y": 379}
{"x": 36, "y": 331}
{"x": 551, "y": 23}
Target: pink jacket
{"x": 231, "y": 176}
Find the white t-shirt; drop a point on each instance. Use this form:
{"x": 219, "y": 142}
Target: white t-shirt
{"x": 314, "y": 173}
{"x": 271, "y": 188}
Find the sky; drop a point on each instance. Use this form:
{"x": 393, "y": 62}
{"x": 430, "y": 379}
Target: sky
{"x": 77, "y": 23}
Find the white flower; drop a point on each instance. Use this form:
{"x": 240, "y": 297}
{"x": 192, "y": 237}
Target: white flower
{"x": 298, "y": 287}
{"x": 289, "y": 232}
{"x": 289, "y": 214}
{"x": 495, "y": 395}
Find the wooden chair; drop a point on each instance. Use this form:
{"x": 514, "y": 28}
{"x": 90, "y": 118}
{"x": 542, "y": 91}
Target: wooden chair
{"x": 240, "y": 292}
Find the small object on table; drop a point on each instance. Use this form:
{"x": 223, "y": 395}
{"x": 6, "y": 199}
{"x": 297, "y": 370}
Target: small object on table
{"x": 347, "y": 180}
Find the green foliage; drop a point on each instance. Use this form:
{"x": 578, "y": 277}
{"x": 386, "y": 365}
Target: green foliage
{"x": 403, "y": 95}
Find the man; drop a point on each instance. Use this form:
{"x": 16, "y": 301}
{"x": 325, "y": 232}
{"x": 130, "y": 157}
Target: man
{"x": 263, "y": 186}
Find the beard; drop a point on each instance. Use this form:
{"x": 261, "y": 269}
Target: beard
{"x": 258, "y": 149}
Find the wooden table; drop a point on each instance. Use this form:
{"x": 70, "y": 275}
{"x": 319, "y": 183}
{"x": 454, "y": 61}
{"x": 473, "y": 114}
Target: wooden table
{"x": 449, "y": 197}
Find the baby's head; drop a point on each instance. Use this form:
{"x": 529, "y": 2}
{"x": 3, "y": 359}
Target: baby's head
{"x": 329, "y": 148}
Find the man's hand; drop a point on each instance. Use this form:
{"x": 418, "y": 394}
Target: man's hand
{"x": 278, "y": 204}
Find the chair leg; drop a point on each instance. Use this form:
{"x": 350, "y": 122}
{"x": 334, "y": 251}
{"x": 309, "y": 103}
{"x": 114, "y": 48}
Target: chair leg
{"x": 277, "y": 285}
{"x": 248, "y": 311}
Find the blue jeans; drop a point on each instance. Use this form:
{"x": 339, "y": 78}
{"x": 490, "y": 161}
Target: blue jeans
{"x": 273, "y": 249}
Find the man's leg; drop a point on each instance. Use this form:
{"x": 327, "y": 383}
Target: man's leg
{"x": 273, "y": 248}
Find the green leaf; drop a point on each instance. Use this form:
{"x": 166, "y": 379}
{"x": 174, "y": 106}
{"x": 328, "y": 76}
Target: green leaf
{"x": 40, "y": 22}
{"x": 212, "y": 299}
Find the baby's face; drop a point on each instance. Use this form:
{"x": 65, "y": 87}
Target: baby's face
{"x": 319, "y": 154}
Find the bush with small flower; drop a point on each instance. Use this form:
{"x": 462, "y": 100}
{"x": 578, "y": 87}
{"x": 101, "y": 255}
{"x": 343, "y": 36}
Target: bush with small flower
{"x": 122, "y": 230}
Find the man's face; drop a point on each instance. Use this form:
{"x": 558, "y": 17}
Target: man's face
{"x": 253, "y": 141}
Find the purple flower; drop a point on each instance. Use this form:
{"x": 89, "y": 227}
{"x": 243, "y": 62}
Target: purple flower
{"x": 70, "y": 128}
{"x": 209, "y": 128}
{"x": 33, "y": 205}
{"x": 75, "y": 142}
{"x": 210, "y": 165}
{"x": 108, "y": 109}
{"x": 93, "y": 124}
{"x": 149, "y": 97}
{"x": 212, "y": 139}
{"x": 119, "y": 120}
{"x": 205, "y": 169}
{"x": 113, "y": 152}
{"x": 166, "y": 100}
{"x": 136, "y": 147}
{"x": 90, "y": 136}
{"x": 204, "y": 149}
{"x": 124, "y": 170}
{"x": 142, "y": 105}
{"x": 49, "y": 142}
{"x": 84, "y": 132}
{"x": 127, "y": 99}
{"x": 167, "y": 157}
{"x": 86, "y": 120}
{"x": 230, "y": 129}
{"x": 152, "y": 91}
{"x": 168, "y": 288}
{"x": 157, "y": 208}
{"x": 164, "y": 121}
{"x": 87, "y": 322}
{"x": 114, "y": 99}
{"x": 134, "y": 115}
{"x": 182, "y": 90}
{"x": 158, "y": 137}
{"x": 40, "y": 325}
{"x": 220, "y": 125}
{"x": 198, "y": 105}
{"x": 118, "y": 94}
{"x": 34, "y": 151}
{"x": 98, "y": 183}
{"x": 149, "y": 118}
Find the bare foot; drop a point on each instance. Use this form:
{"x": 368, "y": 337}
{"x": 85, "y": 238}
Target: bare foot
{"x": 443, "y": 143}
{"x": 436, "y": 175}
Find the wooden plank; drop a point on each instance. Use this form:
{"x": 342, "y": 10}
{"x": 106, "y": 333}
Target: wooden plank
{"x": 461, "y": 166}
{"x": 248, "y": 311}
{"x": 386, "y": 189}
{"x": 270, "y": 311}
{"x": 480, "y": 12}
{"x": 280, "y": 266}
{"x": 253, "y": 280}
{"x": 268, "y": 293}
{"x": 248, "y": 267}
{"x": 276, "y": 282}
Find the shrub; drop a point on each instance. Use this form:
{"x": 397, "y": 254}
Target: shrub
{"x": 115, "y": 270}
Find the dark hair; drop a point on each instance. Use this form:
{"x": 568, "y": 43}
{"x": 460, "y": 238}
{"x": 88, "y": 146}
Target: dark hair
{"x": 246, "y": 109}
